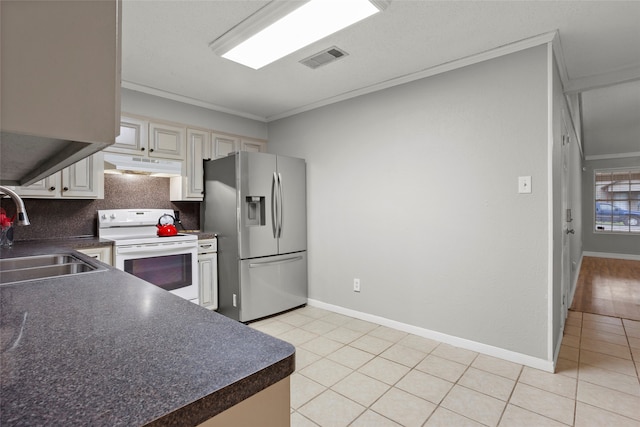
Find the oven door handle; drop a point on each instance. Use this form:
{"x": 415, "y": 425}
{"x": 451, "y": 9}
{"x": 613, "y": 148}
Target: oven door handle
{"x": 151, "y": 251}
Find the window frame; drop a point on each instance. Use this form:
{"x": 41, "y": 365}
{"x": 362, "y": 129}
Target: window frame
{"x": 629, "y": 200}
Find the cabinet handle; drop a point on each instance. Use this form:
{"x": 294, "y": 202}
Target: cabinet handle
{"x": 142, "y": 149}
{"x": 151, "y": 150}
{"x": 52, "y": 188}
{"x": 65, "y": 189}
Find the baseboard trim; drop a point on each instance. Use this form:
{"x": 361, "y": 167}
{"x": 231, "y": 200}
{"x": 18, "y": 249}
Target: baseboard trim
{"x": 511, "y": 356}
{"x": 574, "y": 285}
{"x": 612, "y": 255}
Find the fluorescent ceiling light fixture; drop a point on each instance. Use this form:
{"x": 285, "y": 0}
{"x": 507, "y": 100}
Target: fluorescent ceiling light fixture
{"x": 306, "y": 24}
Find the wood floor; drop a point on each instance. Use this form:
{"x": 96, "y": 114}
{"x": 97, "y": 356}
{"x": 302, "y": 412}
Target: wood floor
{"x": 609, "y": 287}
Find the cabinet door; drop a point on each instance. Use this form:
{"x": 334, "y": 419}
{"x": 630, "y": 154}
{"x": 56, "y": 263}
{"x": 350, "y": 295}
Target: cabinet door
{"x": 255, "y": 145}
{"x": 196, "y": 142}
{"x": 133, "y": 137}
{"x": 207, "y": 265}
{"x": 84, "y": 179}
{"x": 190, "y": 186}
{"x": 166, "y": 141}
{"x": 43, "y": 189}
{"x": 223, "y": 145}
{"x": 103, "y": 253}
{"x": 81, "y": 180}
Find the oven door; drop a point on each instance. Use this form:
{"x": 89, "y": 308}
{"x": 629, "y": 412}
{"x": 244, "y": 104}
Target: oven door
{"x": 172, "y": 267}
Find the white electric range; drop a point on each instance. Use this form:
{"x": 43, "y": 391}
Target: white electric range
{"x": 168, "y": 262}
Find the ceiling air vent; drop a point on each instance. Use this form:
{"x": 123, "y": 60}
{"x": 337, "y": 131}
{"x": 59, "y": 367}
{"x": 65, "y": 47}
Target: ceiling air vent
{"x": 324, "y": 57}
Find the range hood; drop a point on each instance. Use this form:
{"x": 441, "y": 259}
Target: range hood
{"x": 119, "y": 163}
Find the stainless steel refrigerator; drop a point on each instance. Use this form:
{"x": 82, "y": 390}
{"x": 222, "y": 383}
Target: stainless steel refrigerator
{"x": 256, "y": 204}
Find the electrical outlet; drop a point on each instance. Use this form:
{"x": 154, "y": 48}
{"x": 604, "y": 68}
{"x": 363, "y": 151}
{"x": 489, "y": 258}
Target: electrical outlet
{"x": 356, "y": 285}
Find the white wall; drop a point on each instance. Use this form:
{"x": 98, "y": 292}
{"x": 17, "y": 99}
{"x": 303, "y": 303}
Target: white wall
{"x": 161, "y": 108}
{"x": 414, "y": 190}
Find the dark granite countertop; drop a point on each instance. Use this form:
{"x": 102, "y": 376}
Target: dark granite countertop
{"x": 67, "y": 242}
{"x": 202, "y": 235}
{"x": 108, "y": 349}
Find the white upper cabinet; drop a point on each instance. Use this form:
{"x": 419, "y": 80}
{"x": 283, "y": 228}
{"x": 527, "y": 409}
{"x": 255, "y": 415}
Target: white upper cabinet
{"x": 206, "y": 145}
{"x": 167, "y": 141}
{"x": 223, "y": 145}
{"x": 190, "y": 186}
{"x": 148, "y": 137}
{"x": 82, "y": 180}
{"x": 257, "y": 145}
{"x": 141, "y": 137}
{"x": 133, "y": 137}
{"x": 60, "y": 83}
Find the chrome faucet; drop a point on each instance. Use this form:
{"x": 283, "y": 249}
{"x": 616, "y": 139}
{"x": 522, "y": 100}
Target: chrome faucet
{"x": 23, "y": 219}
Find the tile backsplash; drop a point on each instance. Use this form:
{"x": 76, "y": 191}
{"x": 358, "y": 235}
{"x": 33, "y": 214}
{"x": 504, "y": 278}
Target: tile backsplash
{"x": 71, "y": 218}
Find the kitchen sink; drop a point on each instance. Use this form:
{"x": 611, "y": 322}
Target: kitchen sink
{"x": 23, "y": 269}
{"x": 36, "y": 261}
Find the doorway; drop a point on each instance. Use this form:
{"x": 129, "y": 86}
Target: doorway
{"x": 609, "y": 287}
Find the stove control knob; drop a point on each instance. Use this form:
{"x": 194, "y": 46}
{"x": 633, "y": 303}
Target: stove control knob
{"x": 103, "y": 217}
{"x": 113, "y": 216}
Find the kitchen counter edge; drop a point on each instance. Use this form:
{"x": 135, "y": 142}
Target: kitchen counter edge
{"x": 208, "y": 405}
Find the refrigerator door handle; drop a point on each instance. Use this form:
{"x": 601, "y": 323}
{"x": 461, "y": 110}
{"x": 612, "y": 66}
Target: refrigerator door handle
{"x": 270, "y": 263}
{"x": 280, "y": 205}
{"x": 274, "y": 205}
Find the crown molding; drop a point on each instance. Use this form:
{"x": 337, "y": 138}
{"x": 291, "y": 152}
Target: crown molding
{"x": 438, "y": 69}
{"x": 582, "y": 84}
{"x": 187, "y": 100}
{"x": 612, "y": 156}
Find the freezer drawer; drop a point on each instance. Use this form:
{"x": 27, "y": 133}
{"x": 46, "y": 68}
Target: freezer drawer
{"x": 270, "y": 285}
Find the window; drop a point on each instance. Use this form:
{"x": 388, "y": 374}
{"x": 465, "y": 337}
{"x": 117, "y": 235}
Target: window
{"x": 617, "y": 201}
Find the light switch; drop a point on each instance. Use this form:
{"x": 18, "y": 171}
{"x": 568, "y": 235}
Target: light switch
{"x": 524, "y": 184}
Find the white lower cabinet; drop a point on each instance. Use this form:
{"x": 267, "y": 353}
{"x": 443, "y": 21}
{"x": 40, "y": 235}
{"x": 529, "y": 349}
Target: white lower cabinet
{"x": 102, "y": 253}
{"x": 82, "y": 180}
{"x": 208, "y": 270}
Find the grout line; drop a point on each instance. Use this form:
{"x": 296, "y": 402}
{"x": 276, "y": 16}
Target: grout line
{"x": 633, "y": 360}
{"x": 468, "y": 366}
{"x": 575, "y": 394}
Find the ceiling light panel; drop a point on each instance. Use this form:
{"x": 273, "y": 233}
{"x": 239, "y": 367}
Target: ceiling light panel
{"x": 309, "y": 23}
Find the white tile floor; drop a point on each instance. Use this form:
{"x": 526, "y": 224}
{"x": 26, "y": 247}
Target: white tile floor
{"x": 354, "y": 373}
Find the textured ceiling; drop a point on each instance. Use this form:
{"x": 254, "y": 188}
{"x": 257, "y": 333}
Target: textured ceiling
{"x": 165, "y": 49}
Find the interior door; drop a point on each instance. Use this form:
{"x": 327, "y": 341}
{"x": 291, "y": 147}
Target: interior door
{"x": 293, "y": 201}
{"x": 567, "y": 230}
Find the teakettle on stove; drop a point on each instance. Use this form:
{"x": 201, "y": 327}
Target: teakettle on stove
{"x": 166, "y": 226}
